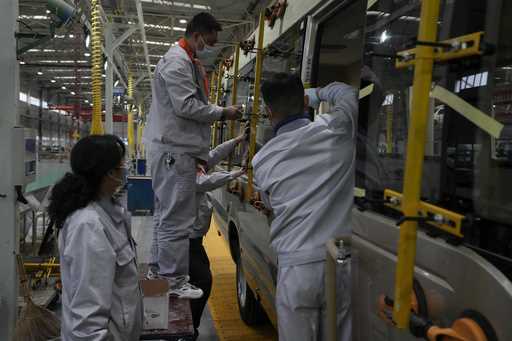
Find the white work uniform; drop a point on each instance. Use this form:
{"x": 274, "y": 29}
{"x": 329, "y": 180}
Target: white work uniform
{"x": 306, "y": 175}
{"x": 101, "y": 297}
{"x": 205, "y": 182}
{"x": 179, "y": 134}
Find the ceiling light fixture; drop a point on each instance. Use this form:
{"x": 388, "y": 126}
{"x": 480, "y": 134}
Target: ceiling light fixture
{"x": 384, "y": 36}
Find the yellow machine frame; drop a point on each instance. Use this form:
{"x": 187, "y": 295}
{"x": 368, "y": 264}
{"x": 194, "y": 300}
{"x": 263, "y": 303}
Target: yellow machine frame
{"x": 234, "y": 98}
{"x": 255, "y": 106}
{"x": 422, "y": 58}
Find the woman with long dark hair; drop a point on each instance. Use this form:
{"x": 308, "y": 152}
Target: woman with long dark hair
{"x": 101, "y": 297}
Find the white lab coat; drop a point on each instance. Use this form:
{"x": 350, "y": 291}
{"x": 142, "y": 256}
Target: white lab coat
{"x": 306, "y": 175}
{"x": 180, "y": 115}
{"x": 101, "y": 296}
{"x": 178, "y": 130}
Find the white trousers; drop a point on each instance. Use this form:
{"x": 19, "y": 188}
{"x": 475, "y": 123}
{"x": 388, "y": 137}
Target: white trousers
{"x": 174, "y": 185}
{"x": 300, "y": 303}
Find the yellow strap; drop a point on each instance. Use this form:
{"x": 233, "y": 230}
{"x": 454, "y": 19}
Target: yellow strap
{"x": 367, "y": 90}
{"x": 475, "y": 115}
{"x": 371, "y": 3}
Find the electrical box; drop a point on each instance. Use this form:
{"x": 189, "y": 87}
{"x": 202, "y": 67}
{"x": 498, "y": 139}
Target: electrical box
{"x": 24, "y": 155}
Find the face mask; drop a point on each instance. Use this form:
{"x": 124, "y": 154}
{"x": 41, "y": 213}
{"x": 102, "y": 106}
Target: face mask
{"x": 206, "y": 52}
{"x": 122, "y": 180}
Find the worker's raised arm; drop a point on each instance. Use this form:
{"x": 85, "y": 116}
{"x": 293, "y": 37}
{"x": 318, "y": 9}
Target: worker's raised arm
{"x": 222, "y": 151}
{"x": 182, "y": 90}
{"x": 343, "y": 102}
{"x": 209, "y": 182}
{"x": 93, "y": 266}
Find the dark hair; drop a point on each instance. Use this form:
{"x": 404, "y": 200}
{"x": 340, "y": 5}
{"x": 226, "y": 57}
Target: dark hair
{"x": 284, "y": 94}
{"x": 202, "y": 23}
{"x": 91, "y": 159}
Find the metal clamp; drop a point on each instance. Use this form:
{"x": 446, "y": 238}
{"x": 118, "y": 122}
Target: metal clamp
{"x": 459, "y": 47}
{"x": 436, "y": 216}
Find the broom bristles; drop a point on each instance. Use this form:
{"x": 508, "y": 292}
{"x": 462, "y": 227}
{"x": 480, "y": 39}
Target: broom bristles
{"x": 36, "y": 324}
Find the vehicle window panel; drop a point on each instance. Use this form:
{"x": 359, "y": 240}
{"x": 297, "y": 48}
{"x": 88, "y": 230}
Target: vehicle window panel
{"x": 465, "y": 169}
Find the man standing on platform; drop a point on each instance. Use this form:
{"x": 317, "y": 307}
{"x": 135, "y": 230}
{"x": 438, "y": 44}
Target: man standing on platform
{"x": 178, "y": 133}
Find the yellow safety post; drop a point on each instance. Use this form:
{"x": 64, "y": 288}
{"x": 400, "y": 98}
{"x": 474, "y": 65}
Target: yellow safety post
{"x": 414, "y": 161}
{"x": 255, "y": 105}
{"x": 218, "y": 94}
{"x": 212, "y": 87}
{"x": 97, "y": 69}
{"x": 234, "y": 99}
{"x": 130, "y": 131}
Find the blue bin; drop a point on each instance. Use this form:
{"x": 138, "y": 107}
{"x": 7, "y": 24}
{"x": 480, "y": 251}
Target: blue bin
{"x": 141, "y": 166}
{"x": 140, "y": 195}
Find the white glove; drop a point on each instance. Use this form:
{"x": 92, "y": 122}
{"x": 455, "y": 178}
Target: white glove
{"x": 314, "y": 101}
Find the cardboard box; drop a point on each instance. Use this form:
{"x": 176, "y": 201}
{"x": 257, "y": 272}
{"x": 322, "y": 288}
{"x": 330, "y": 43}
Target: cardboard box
{"x": 156, "y": 304}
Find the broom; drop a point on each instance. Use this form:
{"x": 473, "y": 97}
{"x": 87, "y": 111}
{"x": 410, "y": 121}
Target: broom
{"x": 35, "y": 323}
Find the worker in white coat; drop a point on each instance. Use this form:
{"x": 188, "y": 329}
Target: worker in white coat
{"x": 199, "y": 269}
{"x": 178, "y": 132}
{"x": 101, "y": 296}
{"x": 305, "y": 175}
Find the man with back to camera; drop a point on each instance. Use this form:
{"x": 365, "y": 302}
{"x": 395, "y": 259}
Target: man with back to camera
{"x": 305, "y": 174}
{"x": 178, "y": 132}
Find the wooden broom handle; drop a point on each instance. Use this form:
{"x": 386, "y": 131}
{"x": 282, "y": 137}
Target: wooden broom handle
{"x": 25, "y": 290}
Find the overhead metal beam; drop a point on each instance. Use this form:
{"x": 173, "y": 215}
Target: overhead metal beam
{"x": 140, "y": 79}
{"x": 143, "y": 34}
{"x": 123, "y": 37}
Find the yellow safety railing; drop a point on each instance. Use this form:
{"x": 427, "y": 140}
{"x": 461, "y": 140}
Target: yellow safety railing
{"x": 234, "y": 98}
{"x": 97, "y": 69}
{"x": 255, "y": 105}
{"x": 218, "y": 94}
{"x": 423, "y": 65}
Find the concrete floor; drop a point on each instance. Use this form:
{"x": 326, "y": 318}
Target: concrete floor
{"x": 142, "y": 228}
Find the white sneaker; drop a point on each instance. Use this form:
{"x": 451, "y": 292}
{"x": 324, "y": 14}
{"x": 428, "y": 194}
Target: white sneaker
{"x": 186, "y": 290}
